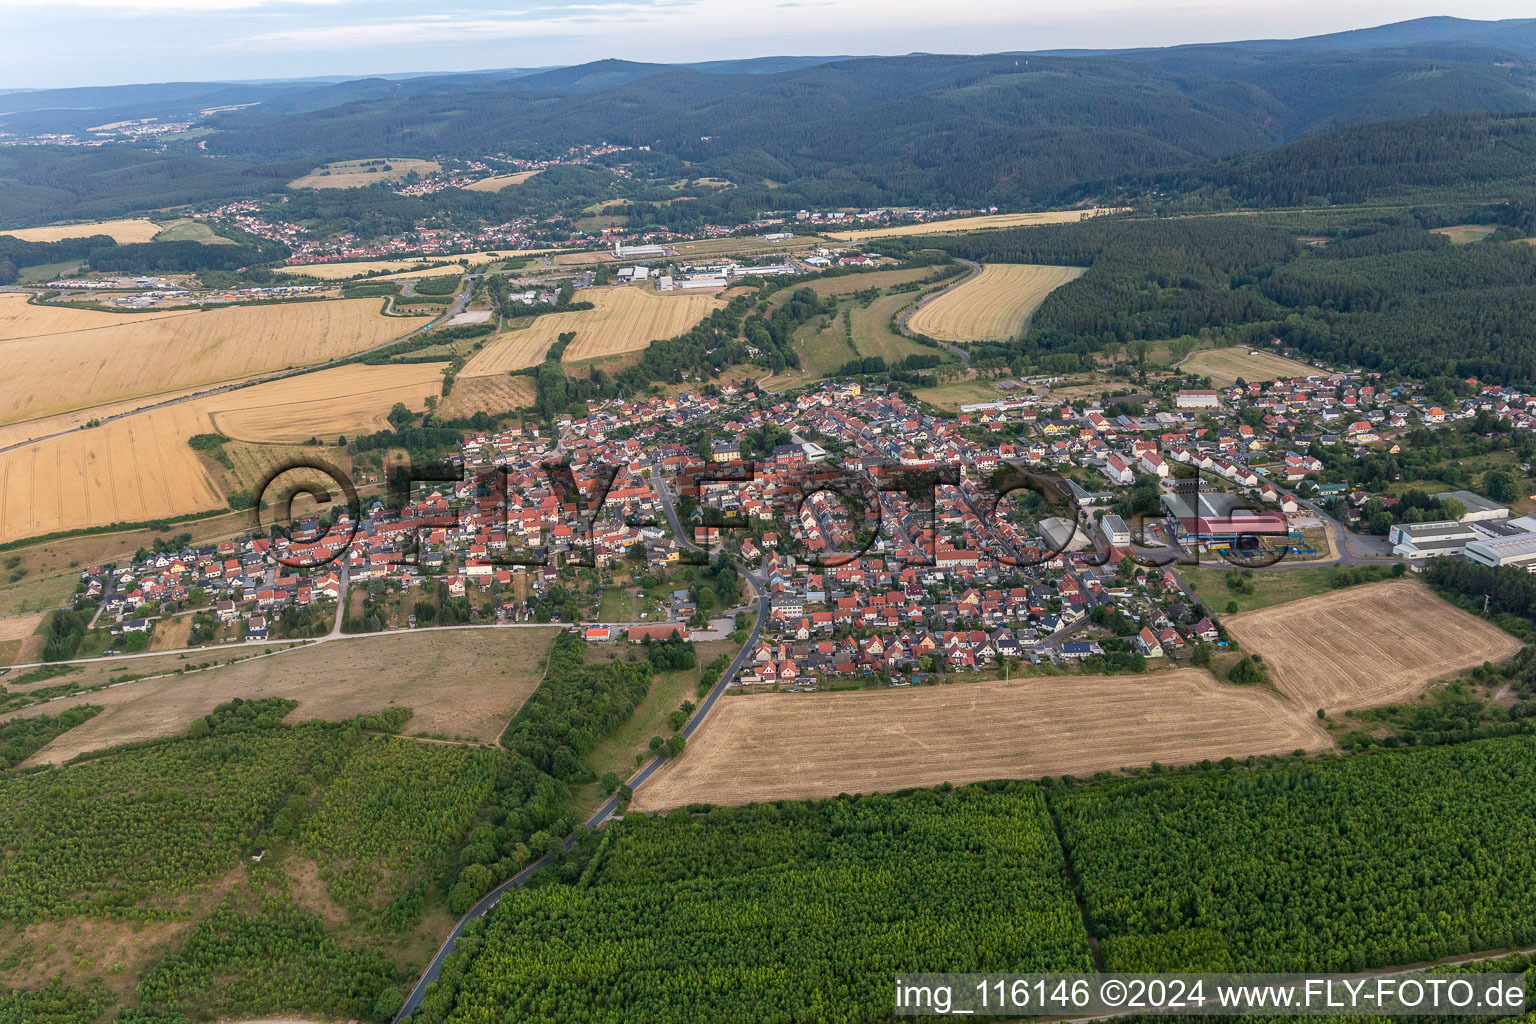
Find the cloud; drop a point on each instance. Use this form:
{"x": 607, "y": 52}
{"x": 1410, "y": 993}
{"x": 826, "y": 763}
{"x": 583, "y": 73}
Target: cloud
{"x": 585, "y": 19}
{"x": 141, "y": 8}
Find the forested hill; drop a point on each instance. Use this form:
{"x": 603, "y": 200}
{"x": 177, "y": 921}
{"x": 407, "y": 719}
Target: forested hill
{"x": 1005, "y": 129}
{"x": 1466, "y": 155}
{"x": 1015, "y": 130}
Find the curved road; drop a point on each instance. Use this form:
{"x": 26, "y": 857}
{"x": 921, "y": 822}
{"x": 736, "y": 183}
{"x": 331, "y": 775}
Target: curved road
{"x": 607, "y": 810}
{"x": 454, "y": 308}
{"x": 901, "y": 321}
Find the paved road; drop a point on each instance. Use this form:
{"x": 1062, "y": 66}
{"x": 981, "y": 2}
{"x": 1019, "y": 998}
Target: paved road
{"x": 901, "y": 321}
{"x": 607, "y": 810}
{"x": 453, "y": 309}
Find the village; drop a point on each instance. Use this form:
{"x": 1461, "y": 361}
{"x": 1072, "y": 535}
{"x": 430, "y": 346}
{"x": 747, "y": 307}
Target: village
{"x": 869, "y": 572}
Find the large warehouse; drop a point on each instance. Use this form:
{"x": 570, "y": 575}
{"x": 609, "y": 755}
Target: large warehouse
{"x": 1519, "y": 549}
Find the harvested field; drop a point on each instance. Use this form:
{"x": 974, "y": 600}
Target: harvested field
{"x": 403, "y": 267}
{"x": 953, "y": 395}
{"x": 141, "y": 468}
{"x": 136, "y": 229}
{"x": 992, "y": 306}
{"x": 362, "y": 173}
{"x": 19, "y": 627}
{"x": 353, "y": 399}
{"x": 497, "y": 182}
{"x": 490, "y": 395}
{"x": 996, "y": 220}
{"x": 1225, "y": 365}
{"x": 459, "y": 682}
{"x": 77, "y": 358}
{"x": 127, "y": 470}
{"x": 625, "y": 319}
{"x": 794, "y": 746}
{"x": 1378, "y": 643}
{"x": 576, "y": 259}
{"x": 452, "y": 268}
{"x": 254, "y": 463}
{"x": 1461, "y": 234}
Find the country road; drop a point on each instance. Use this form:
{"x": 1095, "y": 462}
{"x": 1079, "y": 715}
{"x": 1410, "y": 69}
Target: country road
{"x": 454, "y": 308}
{"x": 606, "y": 811}
{"x": 330, "y": 637}
{"x": 901, "y": 321}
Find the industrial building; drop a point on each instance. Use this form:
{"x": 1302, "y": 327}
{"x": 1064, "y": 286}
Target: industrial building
{"x": 1478, "y": 507}
{"x": 1519, "y": 549}
{"x": 1115, "y": 532}
{"x": 1418, "y": 541}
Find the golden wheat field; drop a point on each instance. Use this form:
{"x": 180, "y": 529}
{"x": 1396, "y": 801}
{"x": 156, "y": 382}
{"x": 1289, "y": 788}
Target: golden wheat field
{"x": 992, "y": 306}
{"x": 443, "y": 271}
{"x": 127, "y": 470}
{"x": 353, "y": 399}
{"x": 489, "y": 395}
{"x": 141, "y": 467}
{"x": 789, "y": 746}
{"x": 982, "y": 223}
{"x": 625, "y": 319}
{"x": 359, "y": 173}
{"x": 402, "y": 267}
{"x": 76, "y": 359}
{"x": 498, "y": 182}
{"x": 135, "y": 229}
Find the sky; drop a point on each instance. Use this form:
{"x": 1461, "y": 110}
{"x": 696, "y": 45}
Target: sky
{"x": 63, "y": 43}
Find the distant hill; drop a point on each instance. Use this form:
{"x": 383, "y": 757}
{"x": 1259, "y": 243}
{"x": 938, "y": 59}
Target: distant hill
{"x": 928, "y": 129}
{"x": 1513, "y": 34}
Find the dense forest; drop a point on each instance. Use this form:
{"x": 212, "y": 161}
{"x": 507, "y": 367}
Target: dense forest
{"x": 1288, "y": 864}
{"x": 779, "y": 913}
{"x": 575, "y": 706}
{"x": 142, "y": 833}
{"x": 1333, "y": 865}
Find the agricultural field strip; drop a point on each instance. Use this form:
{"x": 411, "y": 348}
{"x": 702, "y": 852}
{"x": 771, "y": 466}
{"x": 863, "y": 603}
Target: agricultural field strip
{"x": 145, "y": 357}
{"x": 795, "y": 746}
{"x": 993, "y": 305}
{"x": 1378, "y": 643}
{"x": 625, "y": 319}
{"x": 106, "y": 469}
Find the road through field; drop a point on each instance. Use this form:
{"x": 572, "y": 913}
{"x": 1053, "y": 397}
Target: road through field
{"x": 606, "y": 811}
{"x": 901, "y": 321}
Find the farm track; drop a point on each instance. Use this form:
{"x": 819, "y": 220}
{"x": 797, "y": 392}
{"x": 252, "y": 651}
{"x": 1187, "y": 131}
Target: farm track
{"x": 901, "y": 321}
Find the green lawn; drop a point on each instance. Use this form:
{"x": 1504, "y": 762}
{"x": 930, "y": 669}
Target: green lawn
{"x": 37, "y": 593}
{"x": 189, "y": 230}
{"x": 1270, "y": 587}
{"x": 44, "y": 272}
{"x": 668, "y": 690}
{"x": 823, "y": 351}
{"x": 872, "y": 333}
{"x": 957, "y": 393}
{"x": 619, "y": 604}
